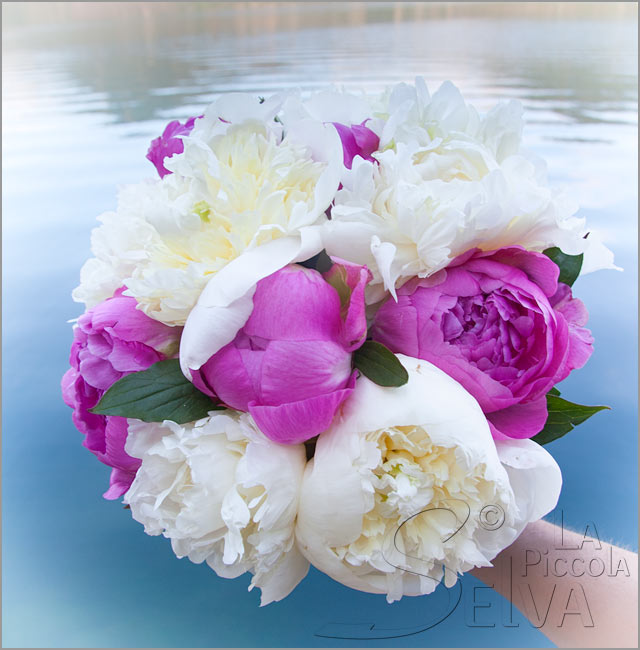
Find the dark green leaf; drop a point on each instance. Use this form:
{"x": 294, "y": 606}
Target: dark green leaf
{"x": 380, "y": 365}
{"x": 569, "y": 265}
{"x": 159, "y": 393}
{"x": 554, "y": 391}
{"x": 563, "y": 417}
{"x": 310, "y": 447}
{"x": 320, "y": 262}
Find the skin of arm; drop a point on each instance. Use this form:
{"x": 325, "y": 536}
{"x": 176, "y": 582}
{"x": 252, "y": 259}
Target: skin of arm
{"x": 578, "y": 590}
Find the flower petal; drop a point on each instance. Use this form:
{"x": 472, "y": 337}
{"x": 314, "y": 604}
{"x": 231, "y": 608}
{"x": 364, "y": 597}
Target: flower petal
{"x": 521, "y": 420}
{"x": 226, "y": 302}
{"x": 295, "y": 304}
{"x": 324, "y": 145}
{"x": 119, "y": 482}
{"x": 97, "y": 372}
{"x": 384, "y": 254}
{"x": 576, "y": 315}
{"x": 357, "y": 140}
{"x": 431, "y": 398}
{"x": 120, "y": 317}
{"x": 298, "y": 370}
{"x": 280, "y": 582}
{"x": 534, "y": 475}
{"x": 538, "y": 267}
{"x": 237, "y": 389}
{"x": 356, "y": 278}
{"x": 340, "y": 495}
{"x": 296, "y": 422}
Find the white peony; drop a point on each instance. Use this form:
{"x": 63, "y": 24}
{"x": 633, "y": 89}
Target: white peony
{"x": 223, "y": 494}
{"x": 446, "y": 180}
{"x": 238, "y": 186}
{"x": 401, "y": 471}
{"x": 330, "y": 105}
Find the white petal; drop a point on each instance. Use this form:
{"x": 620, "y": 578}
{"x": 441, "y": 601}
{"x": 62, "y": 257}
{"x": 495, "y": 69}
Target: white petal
{"x": 448, "y": 180}
{"x": 534, "y": 475}
{"x": 430, "y": 398}
{"x": 280, "y": 582}
{"x": 226, "y": 302}
{"x": 347, "y": 529}
{"x": 384, "y": 254}
{"x": 328, "y": 106}
{"x": 241, "y": 107}
{"x": 199, "y": 484}
{"x": 324, "y": 145}
{"x": 596, "y": 255}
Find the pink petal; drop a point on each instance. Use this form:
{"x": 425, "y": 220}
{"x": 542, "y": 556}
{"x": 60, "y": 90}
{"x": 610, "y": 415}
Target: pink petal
{"x": 119, "y": 482}
{"x": 496, "y": 433}
{"x": 168, "y": 144}
{"x": 357, "y": 140}
{"x": 538, "y": 267}
{"x": 295, "y": 304}
{"x": 132, "y": 356}
{"x": 295, "y": 422}
{"x": 580, "y": 347}
{"x": 100, "y": 344}
{"x": 225, "y": 376}
{"x": 298, "y": 370}
{"x": 520, "y": 420}
{"x": 356, "y": 278}
{"x": 252, "y": 360}
{"x": 396, "y": 326}
{"x": 116, "y": 432}
{"x": 68, "y": 387}
{"x": 573, "y": 309}
{"x": 98, "y": 372}
{"x": 120, "y": 317}
{"x": 367, "y": 141}
{"x": 458, "y": 282}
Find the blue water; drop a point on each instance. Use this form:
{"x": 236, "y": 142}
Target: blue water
{"x": 85, "y": 87}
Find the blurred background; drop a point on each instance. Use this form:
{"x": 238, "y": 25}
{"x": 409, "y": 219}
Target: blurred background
{"x": 85, "y": 88}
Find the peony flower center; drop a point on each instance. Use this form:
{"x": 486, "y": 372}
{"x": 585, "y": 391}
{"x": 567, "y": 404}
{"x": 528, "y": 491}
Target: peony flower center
{"x": 421, "y": 493}
{"x": 258, "y": 186}
{"x": 452, "y": 160}
{"x": 494, "y": 333}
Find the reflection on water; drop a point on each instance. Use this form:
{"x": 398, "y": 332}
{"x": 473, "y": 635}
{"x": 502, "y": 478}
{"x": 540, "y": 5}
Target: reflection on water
{"x": 86, "y": 85}
{"x": 140, "y": 60}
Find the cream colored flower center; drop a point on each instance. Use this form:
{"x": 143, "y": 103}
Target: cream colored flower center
{"x": 449, "y": 161}
{"x": 422, "y": 493}
{"x": 258, "y": 186}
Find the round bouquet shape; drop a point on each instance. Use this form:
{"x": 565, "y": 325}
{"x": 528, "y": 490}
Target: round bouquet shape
{"x": 330, "y": 331}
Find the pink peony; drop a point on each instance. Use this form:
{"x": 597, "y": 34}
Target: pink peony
{"x": 290, "y": 365}
{"x": 168, "y": 144}
{"x": 111, "y": 340}
{"x": 357, "y": 140}
{"x": 500, "y": 324}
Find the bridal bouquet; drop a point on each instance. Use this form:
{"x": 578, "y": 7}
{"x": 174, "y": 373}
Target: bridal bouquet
{"x": 330, "y": 332}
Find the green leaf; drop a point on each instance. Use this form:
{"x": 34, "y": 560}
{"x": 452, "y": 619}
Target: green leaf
{"x": 569, "y": 265}
{"x": 380, "y": 365}
{"x": 159, "y": 393}
{"x": 320, "y": 262}
{"x": 563, "y": 417}
{"x": 554, "y": 391}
